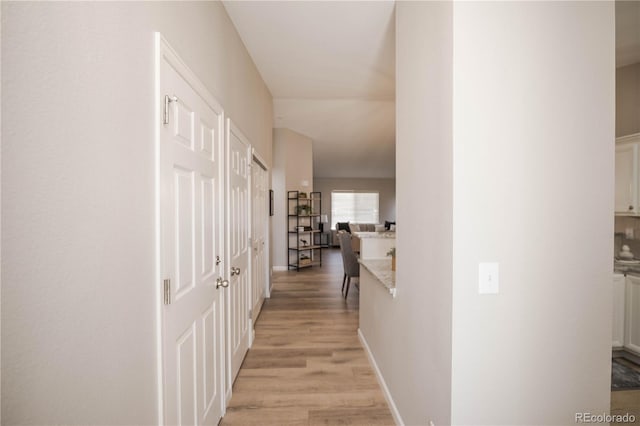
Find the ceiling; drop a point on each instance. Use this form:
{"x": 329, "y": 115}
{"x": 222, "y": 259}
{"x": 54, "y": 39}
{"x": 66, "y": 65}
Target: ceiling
{"x": 330, "y": 67}
{"x": 627, "y": 32}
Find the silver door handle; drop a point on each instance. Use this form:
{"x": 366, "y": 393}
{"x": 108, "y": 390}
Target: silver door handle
{"x": 221, "y": 283}
{"x": 235, "y": 271}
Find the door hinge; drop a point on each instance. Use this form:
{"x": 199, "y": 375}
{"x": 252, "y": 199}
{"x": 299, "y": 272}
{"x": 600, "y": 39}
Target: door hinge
{"x": 167, "y": 291}
{"x": 165, "y": 114}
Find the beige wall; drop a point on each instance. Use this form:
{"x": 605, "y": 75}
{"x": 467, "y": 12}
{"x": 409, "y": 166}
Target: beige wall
{"x": 410, "y": 336}
{"x": 531, "y": 129}
{"x": 292, "y": 164}
{"x": 78, "y": 269}
{"x": 386, "y": 188}
{"x": 628, "y": 100}
{"x": 495, "y": 152}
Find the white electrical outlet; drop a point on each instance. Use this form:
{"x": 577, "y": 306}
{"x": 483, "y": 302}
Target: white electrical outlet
{"x": 628, "y": 233}
{"x": 488, "y": 278}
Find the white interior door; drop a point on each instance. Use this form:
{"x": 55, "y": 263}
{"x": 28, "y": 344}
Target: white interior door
{"x": 190, "y": 171}
{"x": 238, "y": 161}
{"x": 259, "y": 217}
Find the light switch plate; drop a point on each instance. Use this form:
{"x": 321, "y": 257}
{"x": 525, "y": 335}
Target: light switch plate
{"x": 488, "y": 278}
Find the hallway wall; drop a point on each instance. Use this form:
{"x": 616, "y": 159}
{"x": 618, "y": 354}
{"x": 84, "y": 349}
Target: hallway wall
{"x": 78, "y": 267}
{"x": 533, "y": 141}
{"x": 292, "y": 165}
{"x": 501, "y": 133}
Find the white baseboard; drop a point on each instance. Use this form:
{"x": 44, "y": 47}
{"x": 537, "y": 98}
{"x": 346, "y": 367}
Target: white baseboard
{"x": 385, "y": 390}
{"x": 280, "y": 268}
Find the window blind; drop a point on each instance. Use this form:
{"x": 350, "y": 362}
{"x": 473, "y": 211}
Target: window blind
{"x": 355, "y": 207}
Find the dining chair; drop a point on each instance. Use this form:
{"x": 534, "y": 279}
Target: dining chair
{"x": 349, "y": 261}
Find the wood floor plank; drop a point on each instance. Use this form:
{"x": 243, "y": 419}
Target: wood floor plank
{"x": 350, "y": 416}
{"x": 352, "y": 399}
{"x": 306, "y": 365}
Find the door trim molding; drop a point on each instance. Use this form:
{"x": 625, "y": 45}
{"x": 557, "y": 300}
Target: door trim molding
{"x": 258, "y": 159}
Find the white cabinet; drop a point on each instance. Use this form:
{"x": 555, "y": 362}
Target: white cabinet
{"x": 627, "y": 185}
{"x": 627, "y": 178}
{"x": 619, "y": 288}
{"x": 632, "y": 314}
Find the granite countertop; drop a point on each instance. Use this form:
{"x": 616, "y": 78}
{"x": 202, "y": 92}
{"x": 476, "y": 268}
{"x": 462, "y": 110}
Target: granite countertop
{"x": 381, "y": 269}
{"x": 621, "y": 268}
{"x": 384, "y": 234}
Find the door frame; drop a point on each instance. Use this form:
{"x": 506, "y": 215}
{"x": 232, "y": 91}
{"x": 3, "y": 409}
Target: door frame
{"x": 164, "y": 51}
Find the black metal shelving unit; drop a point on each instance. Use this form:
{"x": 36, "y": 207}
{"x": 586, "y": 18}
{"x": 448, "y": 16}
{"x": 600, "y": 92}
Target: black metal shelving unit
{"x": 303, "y": 225}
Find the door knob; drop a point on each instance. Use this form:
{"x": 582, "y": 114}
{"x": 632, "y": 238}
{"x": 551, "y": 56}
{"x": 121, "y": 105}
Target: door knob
{"x": 235, "y": 271}
{"x": 221, "y": 283}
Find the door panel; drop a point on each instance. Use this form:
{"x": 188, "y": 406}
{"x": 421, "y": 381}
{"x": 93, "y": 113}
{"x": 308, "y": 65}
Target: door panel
{"x": 183, "y": 123}
{"x": 208, "y": 227}
{"x": 211, "y": 353}
{"x": 238, "y": 219}
{"x": 184, "y": 231}
{"x": 187, "y": 377}
{"x": 632, "y": 313}
{"x": 191, "y": 227}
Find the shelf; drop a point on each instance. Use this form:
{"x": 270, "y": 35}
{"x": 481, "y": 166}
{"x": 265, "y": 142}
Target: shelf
{"x": 308, "y": 210}
{"x": 305, "y": 248}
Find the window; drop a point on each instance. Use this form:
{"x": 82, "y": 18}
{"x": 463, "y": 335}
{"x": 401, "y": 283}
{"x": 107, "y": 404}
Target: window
{"x": 354, "y": 206}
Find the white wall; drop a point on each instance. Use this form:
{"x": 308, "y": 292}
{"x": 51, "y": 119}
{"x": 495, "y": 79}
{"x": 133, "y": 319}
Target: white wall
{"x": 510, "y": 144}
{"x": 78, "y": 308}
{"x": 292, "y": 164}
{"x": 385, "y": 187}
{"x": 533, "y": 145}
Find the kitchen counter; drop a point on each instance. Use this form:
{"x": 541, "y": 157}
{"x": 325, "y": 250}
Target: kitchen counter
{"x": 375, "y": 245}
{"x": 381, "y": 270}
{"x": 385, "y": 234}
{"x": 626, "y": 269}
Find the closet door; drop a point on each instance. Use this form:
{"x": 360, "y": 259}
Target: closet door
{"x": 238, "y": 215}
{"x": 190, "y": 188}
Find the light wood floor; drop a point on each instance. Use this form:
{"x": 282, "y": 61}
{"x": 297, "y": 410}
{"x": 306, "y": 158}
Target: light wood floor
{"x": 306, "y": 366}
